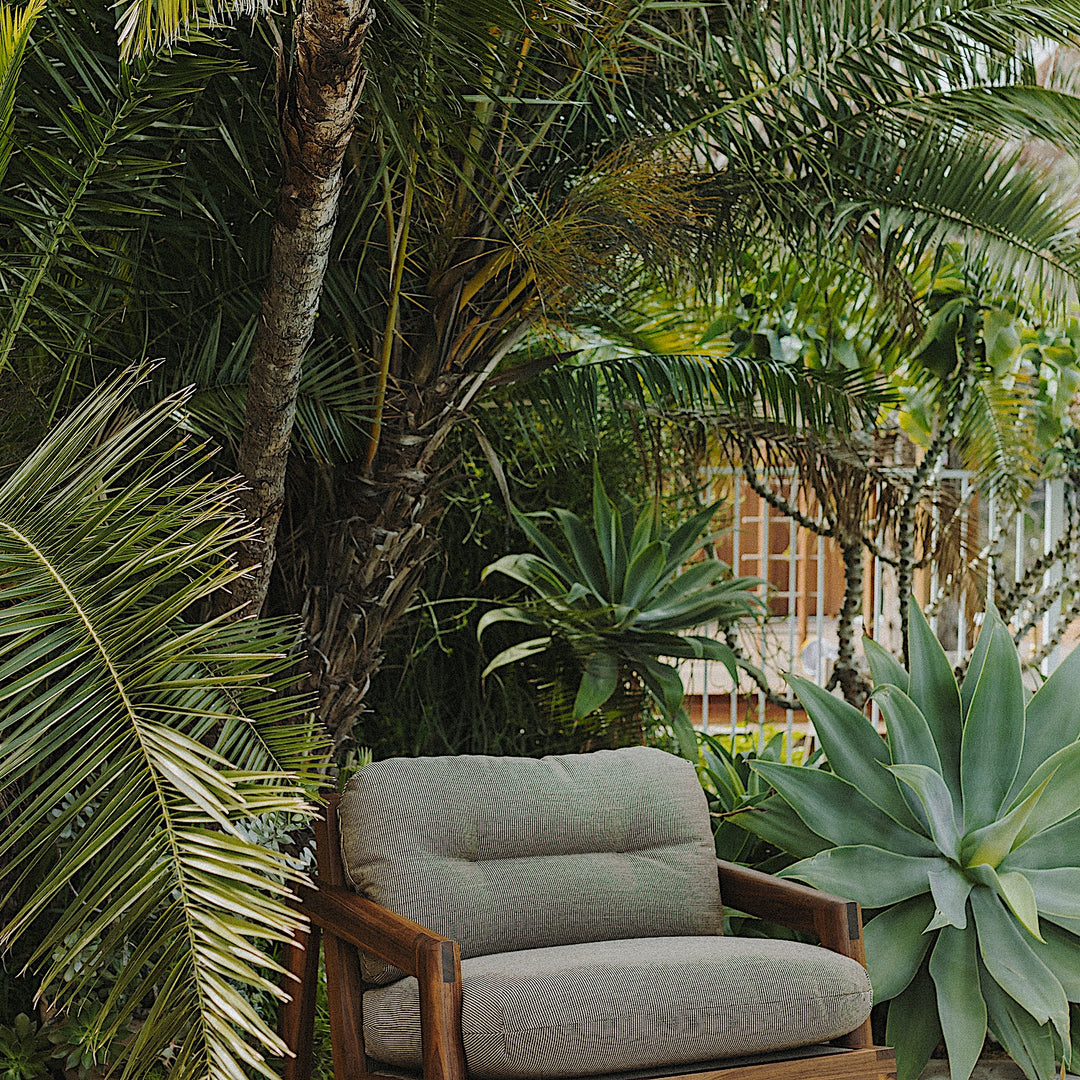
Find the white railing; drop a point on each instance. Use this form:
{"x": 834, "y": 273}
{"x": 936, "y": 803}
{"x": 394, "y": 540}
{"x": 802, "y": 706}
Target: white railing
{"x": 805, "y": 569}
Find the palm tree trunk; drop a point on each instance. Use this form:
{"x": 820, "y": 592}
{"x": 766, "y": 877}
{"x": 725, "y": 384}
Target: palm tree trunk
{"x": 317, "y": 102}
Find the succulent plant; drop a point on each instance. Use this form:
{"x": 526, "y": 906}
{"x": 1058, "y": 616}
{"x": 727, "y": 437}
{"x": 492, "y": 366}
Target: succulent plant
{"x": 960, "y": 835}
{"x": 625, "y": 597}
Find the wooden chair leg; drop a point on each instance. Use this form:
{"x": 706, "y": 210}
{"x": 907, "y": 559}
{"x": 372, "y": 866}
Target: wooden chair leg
{"x": 297, "y": 1015}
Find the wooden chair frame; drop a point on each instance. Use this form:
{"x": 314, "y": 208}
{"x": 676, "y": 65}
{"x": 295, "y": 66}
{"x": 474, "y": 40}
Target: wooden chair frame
{"x": 345, "y": 921}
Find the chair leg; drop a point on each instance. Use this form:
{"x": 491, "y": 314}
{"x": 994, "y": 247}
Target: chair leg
{"x": 345, "y": 1004}
{"x": 297, "y": 1015}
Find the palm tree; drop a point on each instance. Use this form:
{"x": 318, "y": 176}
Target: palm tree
{"x": 143, "y": 754}
{"x": 499, "y": 180}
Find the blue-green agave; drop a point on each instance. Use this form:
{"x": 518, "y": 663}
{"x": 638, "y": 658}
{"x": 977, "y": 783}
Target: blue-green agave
{"x": 960, "y": 835}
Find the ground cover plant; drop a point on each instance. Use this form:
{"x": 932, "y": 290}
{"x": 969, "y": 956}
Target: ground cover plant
{"x": 960, "y": 833}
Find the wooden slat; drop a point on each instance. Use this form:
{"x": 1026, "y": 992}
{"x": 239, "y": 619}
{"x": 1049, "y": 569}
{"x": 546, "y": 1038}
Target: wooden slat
{"x": 871, "y": 1063}
{"x": 439, "y": 978}
{"x": 300, "y": 957}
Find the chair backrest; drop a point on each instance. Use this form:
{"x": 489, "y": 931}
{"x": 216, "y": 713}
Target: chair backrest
{"x": 502, "y": 854}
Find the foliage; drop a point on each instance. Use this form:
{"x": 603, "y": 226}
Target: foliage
{"x": 732, "y": 785}
{"x": 623, "y": 599}
{"x": 960, "y": 833}
{"x": 23, "y": 1050}
{"x": 139, "y": 746}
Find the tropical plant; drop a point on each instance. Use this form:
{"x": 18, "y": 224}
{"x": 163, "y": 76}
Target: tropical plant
{"x": 624, "y": 598}
{"x": 732, "y": 786}
{"x": 959, "y": 832}
{"x": 139, "y": 749}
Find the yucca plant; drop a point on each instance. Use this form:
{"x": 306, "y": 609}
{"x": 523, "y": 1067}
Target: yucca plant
{"x": 138, "y": 749}
{"x": 625, "y": 597}
{"x": 961, "y": 832}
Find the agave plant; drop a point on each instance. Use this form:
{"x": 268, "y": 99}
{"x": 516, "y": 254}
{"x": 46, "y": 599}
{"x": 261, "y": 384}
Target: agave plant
{"x": 961, "y": 831}
{"x": 623, "y": 599}
{"x": 139, "y": 750}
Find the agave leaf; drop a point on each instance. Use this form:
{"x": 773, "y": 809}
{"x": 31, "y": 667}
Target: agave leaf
{"x": 685, "y": 735}
{"x": 1053, "y": 719}
{"x": 853, "y": 748}
{"x": 598, "y": 682}
{"x": 994, "y": 731}
{"x": 517, "y": 652}
{"x": 1060, "y": 776}
{"x": 954, "y": 969}
{"x": 950, "y": 890}
{"x": 870, "y": 875}
{"x": 645, "y": 531}
{"x": 643, "y": 574}
{"x": 663, "y": 682}
{"x": 932, "y": 687}
{"x": 993, "y": 842}
{"x": 1060, "y": 952}
{"x": 508, "y": 614}
{"x": 1029, "y": 1043}
{"x": 687, "y": 538}
{"x": 1013, "y": 964}
{"x": 607, "y": 528}
{"x": 974, "y": 668}
{"x": 1017, "y": 892}
{"x": 895, "y": 945}
{"x": 935, "y": 803}
{"x": 774, "y": 821}
{"x": 839, "y": 811}
{"x": 530, "y": 570}
{"x": 913, "y": 1026}
{"x": 1054, "y": 847}
{"x": 910, "y": 738}
{"x": 547, "y": 549}
{"x": 1057, "y": 890}
{"x": 586, "y": 554}
{"x": 884, "y": 667}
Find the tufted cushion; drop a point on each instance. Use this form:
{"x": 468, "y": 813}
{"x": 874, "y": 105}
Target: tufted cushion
{"x": 616, "y": 1006}
{"x": 502, "y": 854}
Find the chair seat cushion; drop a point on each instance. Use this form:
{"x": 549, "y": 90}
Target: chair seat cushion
{"x": 616, "y": 1006}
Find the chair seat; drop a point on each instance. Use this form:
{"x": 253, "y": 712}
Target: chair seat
{"x": 617, "y": 1006}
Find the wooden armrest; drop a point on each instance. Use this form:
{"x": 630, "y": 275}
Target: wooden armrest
{"x": 377, "y": 930}
{"x": 836, "y": 922}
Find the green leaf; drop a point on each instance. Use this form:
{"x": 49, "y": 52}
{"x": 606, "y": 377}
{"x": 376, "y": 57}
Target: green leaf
{"x": 896, "y": 944}
{"x": 1059, "y": 775}
{"x": 530, "y": 570}
{"x": 685, "y": 736}
{"x": 774, "y": 821}
{"x": 993, "y": 842}
{"x": 608, "y": 528}
{"x": 935, "y": 802}
{"x": 933, "y": 689}
{"x": 913, "y": 1028}
{"x": 838, "y": 811}
{"x": 885, "y": 669}
{"x": 1054, "y": 847}
{"x": 643, "y": 574}
{"x": 1017, "y": 892}
{"x": 954, "y": 969}
{"x": 1057, "y": 890}
{"x": 1053, "y": 719}
{"x": 586, "y": 555}
{"x": 1029, "y": 1043}
{"x": 994, "y": 732}
{"x": 870, "y": 875}
{"x": 517, "y": 652}
{"x": 1013, "y": 964}
{"x": 598, "y": 683}
{"x": 974, "y": 668}
{"x": 853, "y": 748}
{"x": 1060, "y": 952}
{"x": 950, "y": 890}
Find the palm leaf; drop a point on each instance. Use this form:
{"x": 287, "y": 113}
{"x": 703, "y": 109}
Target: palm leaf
{"x": 141, "y": 746}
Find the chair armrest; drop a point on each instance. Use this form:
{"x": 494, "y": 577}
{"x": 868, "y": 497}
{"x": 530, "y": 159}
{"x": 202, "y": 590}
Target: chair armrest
{"x": 387, "y": 935}
{"x": 836, "y": 922}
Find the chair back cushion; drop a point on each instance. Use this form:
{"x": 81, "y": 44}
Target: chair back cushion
{"x": 502, "y": 854}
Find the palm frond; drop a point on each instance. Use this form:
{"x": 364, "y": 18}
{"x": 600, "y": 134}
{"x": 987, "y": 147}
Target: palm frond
{"x": 141, "y": 745}
{"x": 15, "y": 27}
